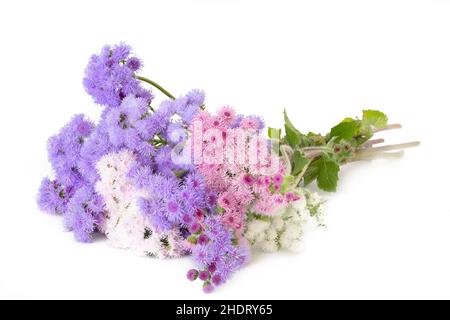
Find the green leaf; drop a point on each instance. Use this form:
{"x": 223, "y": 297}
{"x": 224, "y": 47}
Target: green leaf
{"x": 293, "y": 136}
{"x": 274, "y": 133}
{"x": 287, "y": 184}
{"x": 328, "y": 174}
{"x": 375, "y": 118}
{"x": 312, "y": 172}
{"x": 287, "y": 121}
{"x": 299, "y": 161}
{"x": 345, "y": 130}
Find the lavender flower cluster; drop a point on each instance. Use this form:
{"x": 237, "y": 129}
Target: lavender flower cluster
{"x": 175, "y": 179}
{"x": 179, "y": 197}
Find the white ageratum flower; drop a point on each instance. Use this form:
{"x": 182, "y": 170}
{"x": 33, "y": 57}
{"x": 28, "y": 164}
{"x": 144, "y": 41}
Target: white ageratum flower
{"x": 283, "y": 229}
{"x": 125, "y": 227}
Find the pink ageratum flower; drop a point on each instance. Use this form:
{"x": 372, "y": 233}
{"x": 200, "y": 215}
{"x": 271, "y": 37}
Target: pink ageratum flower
{"x": 227, "y": 114}
{"x": 278, "y": 179}
{"x": 233, "y": 219}
{"x": 278, "y": 199}
{"x": 227, "y": 201}
{"x": 250, "y": 124}
{"x": 248, "y": 179}
{"x": 292, "y": 197}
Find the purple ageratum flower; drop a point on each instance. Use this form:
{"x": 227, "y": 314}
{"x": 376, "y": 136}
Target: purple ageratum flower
{"x": 176, "y": 133}
{"x": 204, "y": 255}
{"x": 195, "y": 227}
{"x": 216, "y": 231}
{"x": 95, "y": 147}
{"x": 192, "y": 275}
{"x": 164, "y": 163}
{"x": 142, "y": 176}
{"x": 163, "y": 187}
{"x": 260, "y": 121}
{"x": 134, "y": 63}
{"x": 174, "y": 210}
{"x": 186, "y": 220}
{"x": 188, "y": 106}
{"x": 196, "y": 97}
{"x": 216, "y": 279}
{"x": 231, "y": 260}
{"x": 195, "y": 181}
{"x": 203, "y": 275}
{"x": 134, "y": 108}
{"x": 208, "y": 288}
{"x": 85, "y": 211}
{"x": 237, "y": 121}
{"x": 202, "y": 240}
{"x": 212, "y": 268}
{"x": 162, "y": 116}
{"x": 220, "y": 255}
{"x": 120, "y": 125}
{"x": 52, "y": 197}
{"x": 64, "y": 150}
{"x": 193, "y": 200}
{"x": 193, "y": 193}
{"x": 211, "y": 201}
{"x": 155, "y": 211}
{"x": 109, "y": 76}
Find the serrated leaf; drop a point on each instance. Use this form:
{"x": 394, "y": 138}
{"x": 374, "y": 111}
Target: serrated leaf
{"x": 375, "y": 118}
{"x": 345, "y": 130}
{"x": 293, "y": 136}
{"x": 299, "y": 161}
{"x": 328, "y": 174}
{"x": 274, "y": 133}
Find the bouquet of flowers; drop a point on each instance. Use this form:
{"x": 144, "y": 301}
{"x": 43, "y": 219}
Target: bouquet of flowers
{"x": 178, "y": 180}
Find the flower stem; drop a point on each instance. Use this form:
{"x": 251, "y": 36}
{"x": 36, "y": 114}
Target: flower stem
{"x": 299, "y": 178}
{"x": 379, "y": 155}
{"x": 389, "y": 127}
{"x": 390, "y": 147}
{"x": 371, "y": 143}
{"x": 157, "y": 86}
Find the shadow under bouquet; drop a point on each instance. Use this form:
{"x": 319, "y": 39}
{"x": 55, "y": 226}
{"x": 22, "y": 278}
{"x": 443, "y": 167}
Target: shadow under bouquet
{"x": 178, "y": 180}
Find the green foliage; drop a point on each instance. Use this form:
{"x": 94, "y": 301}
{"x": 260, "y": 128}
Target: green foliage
{"x": 375, "y": 118}
{"x": 312, "y": 172}
{"x": 325, "y": 169}
{"x": 328, "y": 174}
{"x": 345, "y": 130}
{"x": 322, "y": 164}
{"x": 299, "y": 162}
{"x": 293, "y": 136}
{"x": 274, "y": 133}
{"x": 255, "y": 216}
{"x": 286, "y": 186}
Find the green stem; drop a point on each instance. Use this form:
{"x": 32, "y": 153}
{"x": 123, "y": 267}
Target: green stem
{"x": 301, "y": 174}
{"x": 157, "y": 86}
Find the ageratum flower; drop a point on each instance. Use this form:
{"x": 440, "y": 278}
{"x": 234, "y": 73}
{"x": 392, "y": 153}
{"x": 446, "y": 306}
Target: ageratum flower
{"x": 109, "y": 76}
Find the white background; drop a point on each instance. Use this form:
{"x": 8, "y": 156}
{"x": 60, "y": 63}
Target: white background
{"x": 388, "y": 227}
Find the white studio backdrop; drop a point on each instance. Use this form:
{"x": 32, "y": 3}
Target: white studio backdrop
{"x": 387, "y": 233}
